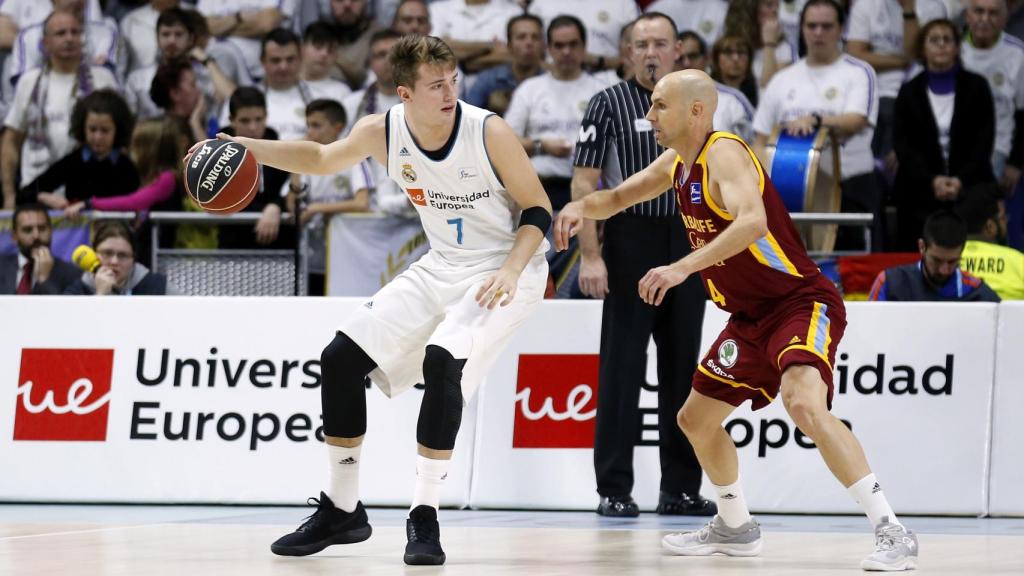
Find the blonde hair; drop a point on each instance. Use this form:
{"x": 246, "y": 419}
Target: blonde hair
{"x": 412, "y": 50}
{"x": 157, "y": 147}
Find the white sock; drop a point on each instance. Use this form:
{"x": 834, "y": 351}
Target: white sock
{"x": 732, "y": 505}
{"x": 868, "y": 494}
{"x": 344, "y": 466}
{"x": 430, "y": 474}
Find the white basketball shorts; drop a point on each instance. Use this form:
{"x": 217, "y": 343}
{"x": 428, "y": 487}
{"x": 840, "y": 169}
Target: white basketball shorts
{"x": 433, "y": 302}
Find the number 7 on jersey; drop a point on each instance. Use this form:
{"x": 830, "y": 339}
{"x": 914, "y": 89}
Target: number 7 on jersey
{"x": 457, "y": 222}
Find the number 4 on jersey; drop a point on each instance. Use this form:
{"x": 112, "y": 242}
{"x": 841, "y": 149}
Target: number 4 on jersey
{"x": 716, "y": 296}
{"x": 457, "y": 222}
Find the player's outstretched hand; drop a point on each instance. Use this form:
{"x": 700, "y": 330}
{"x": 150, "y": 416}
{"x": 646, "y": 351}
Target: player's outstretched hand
{"x": 498, "y": 289}
{"x": 192, "y": 150}
{"x": 567, "y": 224}
{"x": 657, "y": 282}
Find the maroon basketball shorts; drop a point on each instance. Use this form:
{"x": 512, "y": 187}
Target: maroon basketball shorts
{"x": 747, "y": 360}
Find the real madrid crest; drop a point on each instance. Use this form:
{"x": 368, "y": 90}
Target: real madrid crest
{"x": 707, "y": 26}
{"x": 831, "y": 93}
{"x": 408, "y": 174}
{"x": 998, "y": 79}
{"x": 603, "y": 16}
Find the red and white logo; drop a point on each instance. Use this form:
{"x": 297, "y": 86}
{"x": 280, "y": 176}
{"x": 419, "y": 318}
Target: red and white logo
{"x": 417, "y": 196}
{"x": 63, "y": 394}
{"x": 556, "y": 400}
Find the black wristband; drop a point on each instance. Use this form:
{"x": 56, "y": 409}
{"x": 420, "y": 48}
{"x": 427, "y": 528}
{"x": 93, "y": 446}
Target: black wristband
{"x": 536, "y": 216}
{"x": 909, "y": 15}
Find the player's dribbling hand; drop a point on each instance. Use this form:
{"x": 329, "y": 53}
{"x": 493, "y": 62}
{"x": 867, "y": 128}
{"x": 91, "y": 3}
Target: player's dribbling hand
{"x": 567, "y": 224}
{"x": 197, "y": 145}
{"x": 498, "y": 289}
{"x": 658, "y": 281}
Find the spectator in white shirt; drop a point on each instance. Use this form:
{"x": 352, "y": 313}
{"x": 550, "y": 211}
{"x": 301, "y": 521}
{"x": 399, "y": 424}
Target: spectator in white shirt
{"x": 38, "y": 121}
{"x": 475, "y": 30}
{"x": 287, "y": 95}
{"x": 829, "y": 89}
{"x": 705, "y": 17}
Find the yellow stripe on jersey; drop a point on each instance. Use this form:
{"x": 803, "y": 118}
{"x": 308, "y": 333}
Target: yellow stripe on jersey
{"x": 768, "y": 252}
{"x": 706, "y": 372}
{"x": 701, "y": 159}
{"x": 819, "y": 336}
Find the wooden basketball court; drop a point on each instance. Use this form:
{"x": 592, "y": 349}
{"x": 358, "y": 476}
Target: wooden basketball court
{"x": 166, "y": 540}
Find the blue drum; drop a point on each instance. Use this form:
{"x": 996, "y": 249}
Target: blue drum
{"x": 794, "y": 169}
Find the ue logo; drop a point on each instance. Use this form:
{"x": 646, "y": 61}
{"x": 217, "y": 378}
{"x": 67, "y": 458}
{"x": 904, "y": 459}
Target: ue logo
{"x": 63, "y": 394}
{"x": 556, "y": 401}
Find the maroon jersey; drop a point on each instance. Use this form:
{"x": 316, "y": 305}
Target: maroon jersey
{"x": 769, "y": 271}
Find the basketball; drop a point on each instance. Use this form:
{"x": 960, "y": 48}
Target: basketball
{"x": 221, "y": 177}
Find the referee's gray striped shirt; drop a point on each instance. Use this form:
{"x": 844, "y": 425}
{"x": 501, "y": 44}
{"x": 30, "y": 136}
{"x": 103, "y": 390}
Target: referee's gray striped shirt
{"x": 609, "y": 139}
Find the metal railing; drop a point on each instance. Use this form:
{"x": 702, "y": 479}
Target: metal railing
{"x": 861, "y": 219}
{"x": 230, "y": 272}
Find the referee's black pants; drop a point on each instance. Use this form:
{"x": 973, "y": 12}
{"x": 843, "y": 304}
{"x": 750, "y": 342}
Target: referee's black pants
{"x": 632, "y": 246}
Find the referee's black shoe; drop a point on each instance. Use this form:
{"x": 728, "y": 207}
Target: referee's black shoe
{"x": 682, "y": 504}
{"x": 618, "y": 506}
{"x": 328, "y": 525}
{"x": 424, "y": 533}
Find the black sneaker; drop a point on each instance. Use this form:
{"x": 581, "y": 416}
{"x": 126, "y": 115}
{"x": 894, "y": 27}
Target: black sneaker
{"x": 620, "y": 506}
{"x": 328, "y": 525}
{"x": 682, "y": 504}
{"x": 424, "y": 547}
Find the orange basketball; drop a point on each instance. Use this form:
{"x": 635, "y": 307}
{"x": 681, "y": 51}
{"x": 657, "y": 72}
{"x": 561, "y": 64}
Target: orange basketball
{"x": 222, "y": 177}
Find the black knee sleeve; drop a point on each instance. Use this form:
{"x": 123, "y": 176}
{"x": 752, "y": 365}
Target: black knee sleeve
{"x": 441, "y": 409}
{"x": 343, "y": 391}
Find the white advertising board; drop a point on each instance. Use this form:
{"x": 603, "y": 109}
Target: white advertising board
{"x": 1007, "y": 477}
{"x": 188, "y": 400}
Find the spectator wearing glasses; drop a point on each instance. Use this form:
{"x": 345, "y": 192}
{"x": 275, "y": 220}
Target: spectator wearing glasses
{"x": 734, "y": 113}
{"x": 119, "y": 274}
{"x": 731, "y": 65}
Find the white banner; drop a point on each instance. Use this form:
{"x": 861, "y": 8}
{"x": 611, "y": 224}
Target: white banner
{"x": 188, "y": 400}
{"x": 1007, "y": 478}
{"x": 908, "y": 380}
{"x": 365, "y": 252}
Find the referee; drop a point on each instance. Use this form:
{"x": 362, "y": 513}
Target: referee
{"x": 616, "y": 141}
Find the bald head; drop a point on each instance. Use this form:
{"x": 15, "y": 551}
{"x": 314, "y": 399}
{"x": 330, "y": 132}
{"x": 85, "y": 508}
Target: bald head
{"x": 686, "y": 87}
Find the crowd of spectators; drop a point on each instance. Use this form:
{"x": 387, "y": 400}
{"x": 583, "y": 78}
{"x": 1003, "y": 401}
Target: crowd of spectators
{"x": 926, "y": 97}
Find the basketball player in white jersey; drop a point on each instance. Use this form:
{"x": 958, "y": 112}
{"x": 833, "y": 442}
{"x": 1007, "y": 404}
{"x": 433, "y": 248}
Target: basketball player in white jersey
{"x": 443, "y": 321}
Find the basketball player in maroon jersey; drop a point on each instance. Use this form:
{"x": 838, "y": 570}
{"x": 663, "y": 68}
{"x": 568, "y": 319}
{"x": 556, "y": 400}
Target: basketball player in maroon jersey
{"x": 786, "y": 317}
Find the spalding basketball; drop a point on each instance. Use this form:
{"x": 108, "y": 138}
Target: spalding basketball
{"x": 222, "y": 177}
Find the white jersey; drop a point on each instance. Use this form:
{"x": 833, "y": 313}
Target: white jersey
{"x": 29, "y": 12}
{"x": 734, "y": 114}
{"x": 705, "y": 17}
{"x": 603, "y": 19}
{"x": 249, "y": 47}
{"x": 545, "y": 107}
{"x": 847, "y": 85}
{"x": 880, "y": 24}
{"x": 1003, "y": 66}
{"x": 464, "y": 207}
{"x": 286, "y": 110}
